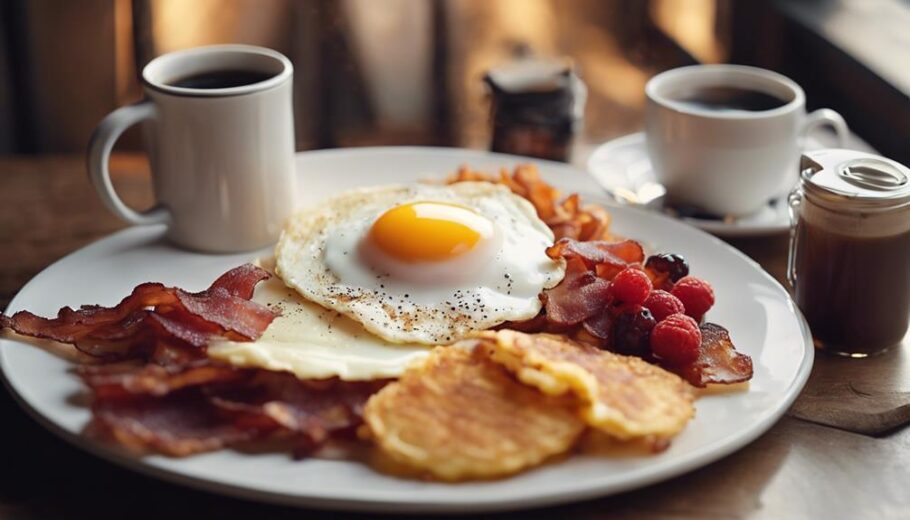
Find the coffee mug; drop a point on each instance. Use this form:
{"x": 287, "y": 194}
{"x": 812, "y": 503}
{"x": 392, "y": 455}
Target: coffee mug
{"x": 726, "y": 139}
{"x": 219, "y": 128}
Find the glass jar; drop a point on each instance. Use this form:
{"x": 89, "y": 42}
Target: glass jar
{"x": 849, "y": 262}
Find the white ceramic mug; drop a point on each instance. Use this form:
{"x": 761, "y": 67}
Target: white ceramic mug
{"x": 728, "y": 162}
{"x": 222, "y": 159}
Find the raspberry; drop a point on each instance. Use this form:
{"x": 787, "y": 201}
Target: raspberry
{"x": 676, "y": 340}
{"x": 695, "y": 294}
{"x": 662, "y": 304}
{"x": 631, "y": 286}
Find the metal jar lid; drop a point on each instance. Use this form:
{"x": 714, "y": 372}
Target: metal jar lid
{"x": 848, "y": 180}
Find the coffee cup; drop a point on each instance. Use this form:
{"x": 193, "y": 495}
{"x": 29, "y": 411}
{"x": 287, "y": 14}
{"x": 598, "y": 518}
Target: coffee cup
{"x": 219, "y": 129}
{"x": 726, "y": 139}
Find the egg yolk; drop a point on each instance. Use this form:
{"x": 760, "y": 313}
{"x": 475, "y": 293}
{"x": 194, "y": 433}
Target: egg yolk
{"x": 429, "y": 231}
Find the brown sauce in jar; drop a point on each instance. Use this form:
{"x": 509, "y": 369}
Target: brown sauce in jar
{"x": 854, "y": 291}
{"x": 850, "y": 250}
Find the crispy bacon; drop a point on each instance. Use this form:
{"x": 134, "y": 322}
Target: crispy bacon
{"x": 598, "y": 252}
{"x": 584, "y": 292}
{"x": 594, "y": 222}
{"x": 170, "y": 397}
{"x": 227, "y": 302}
{"x": 567, "y": 218}
{"x": 312, "y": 410}
{"x": 718, "y": 362}
{"x": 600, "y": 327}
{"x": 155, "y": 322}
{"x": 580, "y": 295}
{"x": 240, "y": 281}
{"x": 177, "y": 425}
{"x": 125, "y": 381}
{"x": 204, "y": 405}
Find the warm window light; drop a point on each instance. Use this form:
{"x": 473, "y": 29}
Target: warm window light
{"x": 692, "y": 24}
{"x": 178, "y": 24}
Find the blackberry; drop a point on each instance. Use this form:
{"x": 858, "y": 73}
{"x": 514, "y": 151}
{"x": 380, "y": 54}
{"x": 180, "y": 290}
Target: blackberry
{"x": 674, "y": 265}
{"x": 632, "y": 331}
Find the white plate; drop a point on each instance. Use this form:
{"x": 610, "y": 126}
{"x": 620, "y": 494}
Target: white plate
{"x": 623, "y": 168}
{"x": 761, "y": 317}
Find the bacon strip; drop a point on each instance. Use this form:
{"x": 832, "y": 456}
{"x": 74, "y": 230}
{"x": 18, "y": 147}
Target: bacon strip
{"x": 600, "y": 326}
{"x": 173, "y": 399}
{"x": 204, "y": 405}
{"x": 154, "y": 315}
{"x": 313, "y": 411}
{"x": 178, "y": 425}
{"x": 584, "y": 292}
{"x": 113, "y": 382}
{"x": 718, "y": 363}
{"x": 580, "y": 295}
{"x": 598, "y": 252}
{"x": 241, "y": 281}
{"x": 567, "y": 219}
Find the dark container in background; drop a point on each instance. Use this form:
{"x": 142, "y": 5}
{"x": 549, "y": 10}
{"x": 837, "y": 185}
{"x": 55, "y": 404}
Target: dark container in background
{"x": 536, "y": 107}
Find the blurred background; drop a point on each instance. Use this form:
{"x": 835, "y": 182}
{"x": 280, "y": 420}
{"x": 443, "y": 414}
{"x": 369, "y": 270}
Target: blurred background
{"x": 409, "y": 71}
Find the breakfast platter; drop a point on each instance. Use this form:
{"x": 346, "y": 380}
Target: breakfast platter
{"x": 757, "y": 315}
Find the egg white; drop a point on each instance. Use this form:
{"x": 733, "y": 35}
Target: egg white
{"x": 318, "y": 254}
{"x": 313, "y": 342}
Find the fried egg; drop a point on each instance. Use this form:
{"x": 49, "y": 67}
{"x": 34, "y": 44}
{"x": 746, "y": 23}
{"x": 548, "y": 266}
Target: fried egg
{"x": 422, "y": 264}
{"x": 313, "y": 342}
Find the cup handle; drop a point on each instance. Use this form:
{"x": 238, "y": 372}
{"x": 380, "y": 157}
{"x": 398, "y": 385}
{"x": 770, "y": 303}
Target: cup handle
{"x": 828, "y": 117}
{"x": 99, "y": 153}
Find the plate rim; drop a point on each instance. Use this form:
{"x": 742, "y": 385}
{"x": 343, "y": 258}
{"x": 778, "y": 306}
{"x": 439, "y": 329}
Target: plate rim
{"x": 592, "y": 488}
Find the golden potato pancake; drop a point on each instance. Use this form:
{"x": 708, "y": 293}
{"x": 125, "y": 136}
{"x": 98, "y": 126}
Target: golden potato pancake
{"x": 462, "y": 416}
{"x": 623, "y": 396}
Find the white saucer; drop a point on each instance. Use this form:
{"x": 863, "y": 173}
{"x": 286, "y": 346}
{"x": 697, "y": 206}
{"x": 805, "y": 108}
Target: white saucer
{"x": 623, "y": 169}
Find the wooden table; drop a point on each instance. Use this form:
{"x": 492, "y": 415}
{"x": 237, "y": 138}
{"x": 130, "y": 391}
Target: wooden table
{"x": 840, "y": 452}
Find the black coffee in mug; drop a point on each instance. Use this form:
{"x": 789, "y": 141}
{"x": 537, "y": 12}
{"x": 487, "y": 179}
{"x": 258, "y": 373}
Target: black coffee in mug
{"x": 220, "y": 79}
{"x": 722, "y": 99}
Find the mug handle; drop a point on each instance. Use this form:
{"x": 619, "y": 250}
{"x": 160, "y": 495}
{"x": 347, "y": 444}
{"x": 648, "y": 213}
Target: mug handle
{"x": 828, "y": 117}
{"x": 99, "y": 153}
